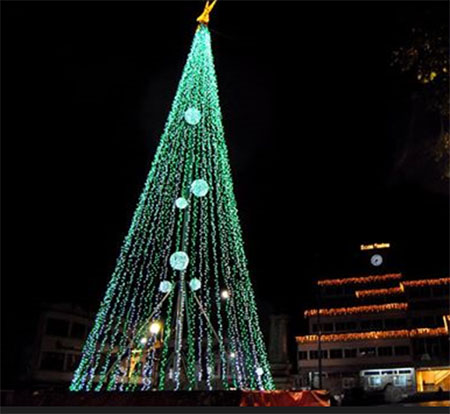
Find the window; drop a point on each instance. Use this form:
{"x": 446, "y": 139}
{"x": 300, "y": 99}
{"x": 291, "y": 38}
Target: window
{"x": 372, "y": 324}
{"x": 340, "y": 326}
{"x": 52, "y": 361}
{"x": 350, "y": 353}
{"x": 57, "y": 327}
{"x": 367, "y": 352}
{"x": 385, "y": 351}
{"x": 351, "y": 326}
{"x": 390, "y": 372}
{"x": 398, "y": 323}
{"x": 375, "y": 381}
{"x": 335, "y": 353}
{"x": 349, "y": 291}
{"x": 401, "y": 350}
{"x": 333, "y": 290}
{"x": 78, "y": 330}
{"x": 72, "y": 361}
{"x": 302, "y": 355}
{"x": 348, "y": 382}
{"x": 377, "y": 324}
{"x": 428, "y": 321}
{"x": 416, "y": 322}
{"x": 365, "y": 325}
{"x": 327, "y": 327}
{"x": 439, "y": 291}
{"x": 315, "y": 354}
{"x": 334, "y": 375}
{"x": 400, "y": 381}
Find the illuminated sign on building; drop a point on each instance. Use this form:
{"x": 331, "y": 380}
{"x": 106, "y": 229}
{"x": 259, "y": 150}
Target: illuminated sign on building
{"x": 375, "y": 246}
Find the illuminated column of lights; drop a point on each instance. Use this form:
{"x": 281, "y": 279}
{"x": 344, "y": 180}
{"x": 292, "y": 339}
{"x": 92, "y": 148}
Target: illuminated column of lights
{"x": 227, "y": 201}
{"x": 208, "y": 309}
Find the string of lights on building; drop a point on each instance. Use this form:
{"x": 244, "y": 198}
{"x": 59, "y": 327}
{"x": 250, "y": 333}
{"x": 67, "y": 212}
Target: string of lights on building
{"x": 360, "y": 280}
{"x": 357, "y": 310}
{"x": 357, "y": 336}
{"x": 401, "y": 288}
{"x": 426, "y": 282}
{"x": 379, "y": 292}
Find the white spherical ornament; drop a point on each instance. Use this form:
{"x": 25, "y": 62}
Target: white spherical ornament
{"x": 165, "y": 286}
{"x": 181, "y": 203}
{"x": 192, "y": 116}
{"x": 195, "y": 284}
{"x": 259, "y": 371}
{"x": 179, "y": 260}
{"x": 199, "y": 188}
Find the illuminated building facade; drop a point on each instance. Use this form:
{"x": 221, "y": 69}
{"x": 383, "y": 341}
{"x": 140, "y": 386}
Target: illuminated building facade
{"x": 375, "y": 322}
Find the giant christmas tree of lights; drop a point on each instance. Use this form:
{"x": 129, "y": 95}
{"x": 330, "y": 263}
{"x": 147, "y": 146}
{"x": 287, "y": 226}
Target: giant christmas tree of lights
{"x": 179, "y": 311}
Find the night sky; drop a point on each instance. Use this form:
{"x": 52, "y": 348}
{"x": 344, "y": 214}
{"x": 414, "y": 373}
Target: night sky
{"x": 316, "y": 121}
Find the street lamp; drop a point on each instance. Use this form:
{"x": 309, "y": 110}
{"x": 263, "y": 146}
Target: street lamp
{"x": 155, "y": 327}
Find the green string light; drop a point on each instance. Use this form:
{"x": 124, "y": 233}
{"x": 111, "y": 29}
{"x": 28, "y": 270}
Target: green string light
{"x": 182, "y": 268}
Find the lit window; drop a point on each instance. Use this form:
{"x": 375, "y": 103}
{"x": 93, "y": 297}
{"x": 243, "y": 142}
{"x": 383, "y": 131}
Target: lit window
{"x": 375, "y": 381}
{"x": 400, "y": 381}
{"x": 367, "y": 352}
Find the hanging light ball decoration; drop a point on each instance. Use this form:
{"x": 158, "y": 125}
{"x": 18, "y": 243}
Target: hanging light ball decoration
{"x": 181, "y": 203}
{"x": 195, "y": 284}
{"x": 179, "y": 261}
{"x": 143, "y": 340}
{"x": 192, "y": 116}
{"x": 225, "y": 294}
{"x": 199, "y": 188}
{"x": 259, "y": 371}
{"x": 165, "y": 286}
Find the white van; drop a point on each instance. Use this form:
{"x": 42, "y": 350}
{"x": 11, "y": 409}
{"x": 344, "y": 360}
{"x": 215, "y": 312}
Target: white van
{"x": 395, "y": 383}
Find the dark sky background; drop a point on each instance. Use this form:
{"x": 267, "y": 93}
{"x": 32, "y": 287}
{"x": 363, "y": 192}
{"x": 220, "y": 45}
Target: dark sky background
{"x": 315, "y": 120}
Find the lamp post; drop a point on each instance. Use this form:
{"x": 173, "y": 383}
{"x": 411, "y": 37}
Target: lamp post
{"x": 319, "y": 339}
{"x": 319, "y": 326}
{"x": 179, "y": 261}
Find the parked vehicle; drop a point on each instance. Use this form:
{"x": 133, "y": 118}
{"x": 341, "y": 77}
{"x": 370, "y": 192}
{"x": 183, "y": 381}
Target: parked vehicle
{"x": 395, "y": 383}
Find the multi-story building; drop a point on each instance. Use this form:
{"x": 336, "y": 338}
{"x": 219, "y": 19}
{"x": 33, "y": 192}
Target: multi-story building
{"x": 379, "y": 322}
{"x": 56, "y": 345}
